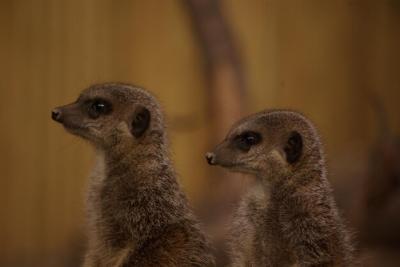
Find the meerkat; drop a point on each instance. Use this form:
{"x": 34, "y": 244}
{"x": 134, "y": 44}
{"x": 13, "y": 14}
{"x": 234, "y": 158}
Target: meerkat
{"x": 290, "y": 218}
{"x": 137, "y": 213}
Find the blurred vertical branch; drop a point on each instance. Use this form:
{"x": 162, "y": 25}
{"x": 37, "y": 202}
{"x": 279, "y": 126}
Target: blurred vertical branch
{"x": 377, "y": 218}
{"x": 226, "y": 91}
{"x": 223, "y": 65}
{"x": 382, "y": 185}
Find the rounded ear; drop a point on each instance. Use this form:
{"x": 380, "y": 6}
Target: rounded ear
{"x": 293, "y": 147}
{"x": 140, "y": 121}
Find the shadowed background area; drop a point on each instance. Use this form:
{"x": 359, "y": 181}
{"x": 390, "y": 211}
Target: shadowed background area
{"x": 336, "y": 61}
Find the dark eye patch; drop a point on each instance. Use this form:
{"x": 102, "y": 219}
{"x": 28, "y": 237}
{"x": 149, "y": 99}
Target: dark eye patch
{"x": 246, "y": 140}
{"x": 97, "y": 107}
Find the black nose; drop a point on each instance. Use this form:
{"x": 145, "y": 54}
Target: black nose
{"x": 56, "y": 115}
{"x": 210, "y": 157}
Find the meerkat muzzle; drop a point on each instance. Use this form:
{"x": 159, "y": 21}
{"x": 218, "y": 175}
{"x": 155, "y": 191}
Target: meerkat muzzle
{"x": 210, "y": 157}
{"x": 56, "y": 115}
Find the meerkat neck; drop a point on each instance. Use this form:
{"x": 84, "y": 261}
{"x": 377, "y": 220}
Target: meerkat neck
{"x": 138, "y": 160}
{"x": 309, "y": 171}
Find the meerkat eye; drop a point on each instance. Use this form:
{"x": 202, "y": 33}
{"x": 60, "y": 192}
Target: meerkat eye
{"x": 98, "y": 107}
{"x": 246, "y": 140}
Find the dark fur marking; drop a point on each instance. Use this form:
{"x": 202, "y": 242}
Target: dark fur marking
{"x": 294, "y": 147}
{"x": 140, "y": 121}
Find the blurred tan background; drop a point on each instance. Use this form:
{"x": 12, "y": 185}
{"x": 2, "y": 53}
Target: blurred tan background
{"x": 320, "y": 57}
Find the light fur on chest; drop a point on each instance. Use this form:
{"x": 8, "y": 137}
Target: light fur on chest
{"x": 98, "y": 173}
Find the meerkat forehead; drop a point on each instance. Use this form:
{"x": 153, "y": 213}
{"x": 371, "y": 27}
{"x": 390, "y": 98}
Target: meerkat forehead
{"x": 275, "y": 120}
{"x": 121, "y": 92}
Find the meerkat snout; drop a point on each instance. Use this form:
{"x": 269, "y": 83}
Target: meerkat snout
{"x": 210, "y": 157}
{"x": 56, "y": 115}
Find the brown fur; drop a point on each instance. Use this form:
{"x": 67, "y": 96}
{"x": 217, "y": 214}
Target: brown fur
{"x": 137, "y": 213}
{"x": 290, "y": 218}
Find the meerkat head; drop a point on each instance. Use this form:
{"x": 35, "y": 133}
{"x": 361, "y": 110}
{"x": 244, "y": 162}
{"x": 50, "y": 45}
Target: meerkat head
{"x": 107, "y": 113}
{"x": 269, "y": 142}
